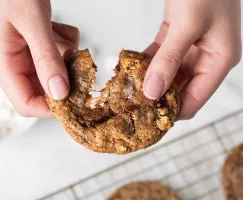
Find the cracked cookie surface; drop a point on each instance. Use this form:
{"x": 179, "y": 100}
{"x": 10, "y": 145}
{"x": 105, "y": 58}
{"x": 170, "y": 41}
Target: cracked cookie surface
{"x": 232, "y": 177}
{"x": 121, "y": 119}
{"x": 144, "y": 190}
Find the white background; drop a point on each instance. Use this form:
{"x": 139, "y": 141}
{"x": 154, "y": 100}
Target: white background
{"x": 45, "y": 158}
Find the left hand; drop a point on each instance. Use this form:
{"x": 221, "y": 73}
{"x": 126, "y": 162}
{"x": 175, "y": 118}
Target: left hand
{"x": 21, "y": 67}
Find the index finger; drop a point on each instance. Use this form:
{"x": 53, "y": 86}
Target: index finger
{"x": 33, "y": 21}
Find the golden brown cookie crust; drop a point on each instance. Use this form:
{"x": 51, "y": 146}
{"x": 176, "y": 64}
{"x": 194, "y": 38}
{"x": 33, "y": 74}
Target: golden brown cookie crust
{"x": 122, "y": 120}
{"x": 144, "y": 190}
{"x": 232, "y": 178}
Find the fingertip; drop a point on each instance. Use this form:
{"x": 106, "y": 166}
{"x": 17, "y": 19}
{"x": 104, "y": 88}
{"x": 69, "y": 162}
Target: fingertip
{"x": 152, "y": 49}
{"x": 149, "y": 96}
{"x": 182, "y": 116}
{"x": 58, "y": 87}
{"x": 69, "y": 52}
{"x": 154, "y": 86}
{"x": 189, "y": 107}
{"x": 36, "y": 107}
{"x": 42, "y": 109}
{"x": 49, "y": 115}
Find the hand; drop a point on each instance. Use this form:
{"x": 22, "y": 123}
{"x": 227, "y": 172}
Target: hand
{"x": 197, "y": 45}
{"x": 31, "y": 50}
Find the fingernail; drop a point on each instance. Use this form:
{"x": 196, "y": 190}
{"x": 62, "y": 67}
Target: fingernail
{"x": 154, "y": 86}
{"x": 58, "y": 87}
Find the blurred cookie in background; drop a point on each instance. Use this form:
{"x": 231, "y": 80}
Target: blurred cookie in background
{"x": 144, "y": 190}
{"x": 232, "y": 174}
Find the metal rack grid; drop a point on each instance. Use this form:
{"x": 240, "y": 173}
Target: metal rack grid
{"x": 190, "y": 164}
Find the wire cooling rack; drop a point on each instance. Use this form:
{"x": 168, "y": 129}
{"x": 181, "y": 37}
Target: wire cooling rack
{"x": 190, "y": 164}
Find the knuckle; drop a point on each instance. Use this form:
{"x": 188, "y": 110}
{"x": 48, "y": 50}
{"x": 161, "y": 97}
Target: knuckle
{"x": 171, "y": 58}
{"x": 48, "y": 56}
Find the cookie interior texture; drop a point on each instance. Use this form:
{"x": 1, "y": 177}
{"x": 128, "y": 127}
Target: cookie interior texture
{"x": 232, "y": 178}
{"x": 121, "y": 119}
{"x": 144, "y": 190}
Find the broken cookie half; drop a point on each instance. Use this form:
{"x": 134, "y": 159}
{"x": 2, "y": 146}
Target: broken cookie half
{"x": 121, "y": 119}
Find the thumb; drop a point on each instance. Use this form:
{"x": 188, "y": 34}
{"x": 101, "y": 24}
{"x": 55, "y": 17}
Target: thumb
{"x": 34, "y": 24}
{"x": 167, "y": 60}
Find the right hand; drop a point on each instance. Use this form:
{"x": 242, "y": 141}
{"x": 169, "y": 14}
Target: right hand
{"x": 197, "y": 45}
{"x": 31, "y": 55}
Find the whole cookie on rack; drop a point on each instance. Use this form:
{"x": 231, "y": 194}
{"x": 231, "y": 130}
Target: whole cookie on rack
{"x": 121, "y": 119}
{"x": 145, "y": 190}
{"x": 232, "y": 177}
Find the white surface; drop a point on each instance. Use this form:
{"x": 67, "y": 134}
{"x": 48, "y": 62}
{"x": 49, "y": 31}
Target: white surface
{"x": 11, "y": 123}
{"x": 45, "y": 158}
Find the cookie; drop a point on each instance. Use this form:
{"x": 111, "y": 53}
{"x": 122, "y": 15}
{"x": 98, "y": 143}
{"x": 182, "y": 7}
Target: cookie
{"x": 232, "y": 175}
{"x": 146, "y": 190}
{"x": 121, "y": 119}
